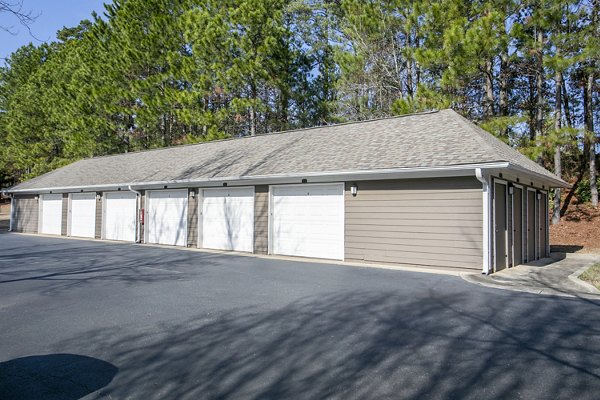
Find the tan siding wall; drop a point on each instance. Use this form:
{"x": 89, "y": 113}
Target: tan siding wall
{"x": 26, "y": 214}
{"x": 98, "y": 233}
{"x": 436, "y": 222}
{"x": 192, "y": 218}
{"x": 261, "y": 219}
{"x": 65, "y": 214}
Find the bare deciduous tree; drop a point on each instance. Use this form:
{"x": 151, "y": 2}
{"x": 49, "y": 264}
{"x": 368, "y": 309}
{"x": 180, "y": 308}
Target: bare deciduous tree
{"x": 16, "y": 9}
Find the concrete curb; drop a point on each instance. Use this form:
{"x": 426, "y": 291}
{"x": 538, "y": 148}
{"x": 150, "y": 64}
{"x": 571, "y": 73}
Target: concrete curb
{"x": 473, "y": 278}
{"x": 574, "y": 277}
{"x": 594, "y": 294}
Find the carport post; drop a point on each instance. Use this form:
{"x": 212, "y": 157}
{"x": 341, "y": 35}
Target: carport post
{"x": 138, "y": 197}
{"x": 487, "y": 237}
{"x": 12, "y": 213}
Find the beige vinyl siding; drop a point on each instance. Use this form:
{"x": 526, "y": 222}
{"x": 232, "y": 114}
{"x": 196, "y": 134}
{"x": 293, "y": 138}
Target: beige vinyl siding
{"x": 434, "y": 222}
{"x": 192, "y": 225}
{"x": 26, "y": 214}
{"x": 98, "y": 233}
{"x": 64, "y": 222}
{"x": 261, "y": 219}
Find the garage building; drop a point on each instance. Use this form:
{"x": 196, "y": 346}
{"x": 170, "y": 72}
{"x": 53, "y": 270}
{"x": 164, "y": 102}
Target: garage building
{"x": 429, "y": 189}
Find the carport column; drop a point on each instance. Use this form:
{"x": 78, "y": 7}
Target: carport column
{"x": 12, "y": 213}
{"x": 483, "y": 177}
{"x": 138, "y": 219}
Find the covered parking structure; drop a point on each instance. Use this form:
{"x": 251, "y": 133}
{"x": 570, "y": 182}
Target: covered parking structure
{"x": 428, "y": 189}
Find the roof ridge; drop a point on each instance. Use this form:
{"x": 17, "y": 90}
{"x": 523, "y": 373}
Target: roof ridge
{"x": 310, "y": 128}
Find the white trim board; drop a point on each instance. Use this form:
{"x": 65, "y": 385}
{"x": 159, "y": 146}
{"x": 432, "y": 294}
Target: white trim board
{"x": 316, "y": 177}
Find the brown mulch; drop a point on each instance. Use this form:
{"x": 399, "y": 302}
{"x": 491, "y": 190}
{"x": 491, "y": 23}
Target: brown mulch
{"x": 578, "y": 231}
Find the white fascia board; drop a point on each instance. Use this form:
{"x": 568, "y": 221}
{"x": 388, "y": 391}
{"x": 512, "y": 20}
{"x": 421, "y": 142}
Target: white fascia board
{"x": 552, "y": 182}
{"x": 311, "y": 177}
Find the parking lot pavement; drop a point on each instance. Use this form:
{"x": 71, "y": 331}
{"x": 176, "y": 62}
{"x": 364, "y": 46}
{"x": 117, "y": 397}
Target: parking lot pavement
{"x": 90, "y": 319}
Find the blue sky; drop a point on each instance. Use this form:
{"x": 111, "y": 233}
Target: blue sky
{"x": 53, "y": 15}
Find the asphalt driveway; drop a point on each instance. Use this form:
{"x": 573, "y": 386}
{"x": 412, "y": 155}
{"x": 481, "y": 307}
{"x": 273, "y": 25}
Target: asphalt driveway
{"x": 100, "y": 320}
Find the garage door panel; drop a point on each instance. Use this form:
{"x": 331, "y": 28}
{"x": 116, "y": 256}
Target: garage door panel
{"x": 308, "y": 221}
{"x": 51, "y": 209}
{"x": 167, "y": 217}
{"x": 120, "y": 216}
{"x": 83, "y": 215}
{"x": 228, "y": 219}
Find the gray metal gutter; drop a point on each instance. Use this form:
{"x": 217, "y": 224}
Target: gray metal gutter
{"x": 311, "y": 177}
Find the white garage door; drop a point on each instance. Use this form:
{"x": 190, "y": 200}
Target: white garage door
{"x": 51, "y": 214}
{"x": 83, "y": 215}
{"x": 308, "y": 221}
{"x": 228, "y": 219}
{"x": 167, "y": 217}
{"x": 120, "y": 216}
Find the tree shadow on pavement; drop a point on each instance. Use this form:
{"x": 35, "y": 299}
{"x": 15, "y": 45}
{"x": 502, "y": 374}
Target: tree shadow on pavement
{"x": 96, "y": 264}
{"x": 53, "y": 377}
{"x": 365, "y": 345}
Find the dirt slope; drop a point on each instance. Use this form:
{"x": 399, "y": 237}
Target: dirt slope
{"x": 579, "y": 230}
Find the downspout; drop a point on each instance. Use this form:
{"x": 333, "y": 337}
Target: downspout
{"x": 486, "y": 221}
{"x": 138, "y": 199}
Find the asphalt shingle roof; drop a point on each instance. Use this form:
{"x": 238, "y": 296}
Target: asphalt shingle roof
{"x": 435, "y": 139}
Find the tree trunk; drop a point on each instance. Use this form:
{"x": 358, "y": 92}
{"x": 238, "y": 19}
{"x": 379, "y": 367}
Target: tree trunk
{"x": 588, "y": 115}
{"x": 566, "y": 104}
{"x": 504, "y": 83}
{"x": 531, "y": 108}
{"x": 253, "y": 95}
{"x": 557, "y": 150}
{"x": 539, "y": 109}
{"x": 409, "y": 68}
{"x": 489, "y": 90}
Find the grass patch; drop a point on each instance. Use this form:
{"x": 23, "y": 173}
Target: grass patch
{"x": 592, "y": 275}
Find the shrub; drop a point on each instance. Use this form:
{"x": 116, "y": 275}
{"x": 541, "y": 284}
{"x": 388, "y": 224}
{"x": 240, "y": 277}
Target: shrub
{"x": 582, "y": 191}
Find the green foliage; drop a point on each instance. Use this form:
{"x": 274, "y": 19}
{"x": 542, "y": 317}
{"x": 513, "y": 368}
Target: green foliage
{"x": 154, "y": 73}
{"x": 582, "y": 191}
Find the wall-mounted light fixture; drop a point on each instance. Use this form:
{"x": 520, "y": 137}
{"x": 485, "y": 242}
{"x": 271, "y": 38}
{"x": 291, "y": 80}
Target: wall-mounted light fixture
{"x": 511, "y": 190}
{"x": 98, "y": 196}
{"x": 539, "y": 196}
{"x": 354, "y": 189}
{"x": 193, "y": 193}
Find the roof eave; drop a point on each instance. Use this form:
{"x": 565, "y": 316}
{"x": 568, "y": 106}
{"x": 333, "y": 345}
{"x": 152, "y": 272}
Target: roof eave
{"x": 310, "y": 177}
{"x": 551, "y": 181}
